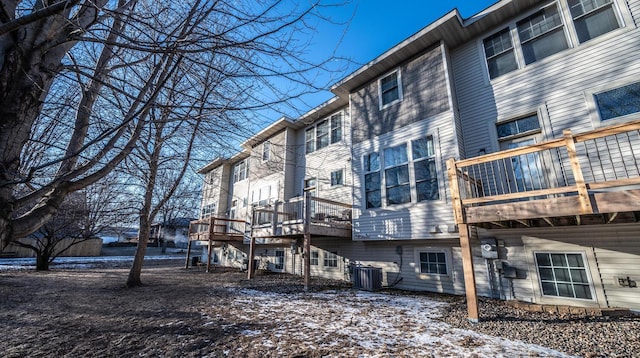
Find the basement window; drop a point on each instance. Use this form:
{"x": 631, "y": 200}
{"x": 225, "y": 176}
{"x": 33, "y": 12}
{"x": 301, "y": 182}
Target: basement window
{"x": 563, "y": 275}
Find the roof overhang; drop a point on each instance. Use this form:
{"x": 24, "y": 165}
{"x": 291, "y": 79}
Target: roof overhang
{"x": 451, "y": 29}
{"x": 322, "y": 111}
{"x": 267, "y": 133}
{"x": 222, "y": 161}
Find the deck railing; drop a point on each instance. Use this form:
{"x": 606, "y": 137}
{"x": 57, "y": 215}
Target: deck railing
{"x": 293, "y": 211}
{"x": 212, "y": 227}
{"x": 601, "y": 159}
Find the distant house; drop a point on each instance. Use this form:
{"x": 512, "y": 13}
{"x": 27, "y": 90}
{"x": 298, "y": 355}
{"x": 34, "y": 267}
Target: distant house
{"x": 173, "y": 232}
{"x": 497, "y": 155}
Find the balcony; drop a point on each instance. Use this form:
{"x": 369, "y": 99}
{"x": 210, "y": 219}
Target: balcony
{"x": 217, "y": 229}
{"x": 581, "y": 179}
{"x": 288, "y": 220}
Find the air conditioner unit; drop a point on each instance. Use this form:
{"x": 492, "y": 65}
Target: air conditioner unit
{"x": 367, "y": 278}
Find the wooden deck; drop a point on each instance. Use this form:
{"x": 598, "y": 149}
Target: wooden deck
{"x": 214, "y": 230}
{"x": 589, "y": 178}
{"x": 287, "y": 219}
{"x": 582, "y": 179}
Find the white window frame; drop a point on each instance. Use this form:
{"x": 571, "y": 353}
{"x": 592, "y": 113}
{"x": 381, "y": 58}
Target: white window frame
{"x": 616, "y": 13}
{"x": 411, "y": 163}
{"x": 266, "y": 151}
{"x": 512, "y": 50}
{"x": 392, "y": 166}
{"x": 438, "y": 253}
{"x": 568, "y": 27}
{"x": 433, "y": 249}
{"x": 586, "y": 268}
{"x": 519, "y": 133}
{"x": 310, "y": 140}
{"x": 329, "y": 258}
{"x": 314, "y": 259}
{"x": 398, "y": 75}
{"x": 312, "y": 136}
{"x": 366, "y": 172}
{"x": 335, "y": 131}
{"x": 279, "y": 260}
{"x": 427, "y": 158}
{"x": 208, "y": 210}
{"x": 562, "y": 28}
{"x": 598, "y": 113}
{"x": 337, "y": 182}
{"x": 240, "y": 170}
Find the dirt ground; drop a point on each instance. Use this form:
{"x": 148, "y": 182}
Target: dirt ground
{"x": 190, "y": 313}
{"x": 90, "y": 312}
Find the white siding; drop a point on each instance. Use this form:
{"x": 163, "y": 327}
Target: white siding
{"x": 414, "y": 220}
{"x": 612, "y": 251}
{"x": 559, "y": 86}
{"x": 320, "y": 163}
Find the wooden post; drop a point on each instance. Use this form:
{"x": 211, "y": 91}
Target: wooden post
{"x": 307, "y": 240}
{"x": 454, "y": 188}
{"x": 186, "y": 264}
{"x": 469, "y": 274}
{"x": 252, "y": 253}
{"x": 274, "y": 219}
{"x": 209, "y": 251}
{"x": 465, "y": 245}
{"x": 583, "y": 195}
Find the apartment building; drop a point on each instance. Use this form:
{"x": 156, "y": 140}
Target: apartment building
{"x": 497, "y": 155}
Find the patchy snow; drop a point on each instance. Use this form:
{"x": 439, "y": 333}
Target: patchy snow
{"x": 361, "y": 323}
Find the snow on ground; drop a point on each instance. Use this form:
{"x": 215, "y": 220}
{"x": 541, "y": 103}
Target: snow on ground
{"x": 29, "y": 263}
{"x": 363, "y": 323}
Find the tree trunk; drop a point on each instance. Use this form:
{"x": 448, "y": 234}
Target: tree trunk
{"x": 42, "y": 261}
{"x": 143, "y": 239}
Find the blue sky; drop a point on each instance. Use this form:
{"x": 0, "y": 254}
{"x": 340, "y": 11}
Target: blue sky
{"x": 361, "y": 31}
{"x": 379, "y": 25}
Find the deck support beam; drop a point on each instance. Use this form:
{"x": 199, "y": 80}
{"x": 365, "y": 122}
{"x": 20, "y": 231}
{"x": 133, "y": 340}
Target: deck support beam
{"x": 251, "y": 269}
{"x": 186, "y": 264}
{"x": 307, "y": 240}
{"x": 469, "y": 274}
{"x": 209, "y": 252}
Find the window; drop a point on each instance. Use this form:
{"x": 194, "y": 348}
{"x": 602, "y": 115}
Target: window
{"x": 542, "y": 34}
{"x": 310, "y": 144}
{"x": 337, "y": 177}
{"x": 500, "y": 55}
{"x": 336, "y": 128}
{"x": 240, "y": 171}
{"x": 433, "y": 263}
{"x": 331, "y": 259}
{"x": 208, "y": 210}
{"x": 424, "y": 165}
{"x": 266, "y": 151}
{"x": 326, "y": 132}
{"x": 279, "y": 264}
{"x": 396, "y": 175}
{"x": 563, "y": 275}
{"x": 593, "y": 18}
{"x": 409, "y": 176}
{"x": 518, "y": 127}
{"x": 372, "y": 181}
{"x": 314, "y": 258}
{"x": 322, "y": 134}
{"x": 390, "y": 89}
{"x": 619, "y": 102}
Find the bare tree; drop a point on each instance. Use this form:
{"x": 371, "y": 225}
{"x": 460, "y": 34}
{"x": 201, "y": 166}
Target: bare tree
{"x": 80, "y": 78}
{"x": 65, "y": 230}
